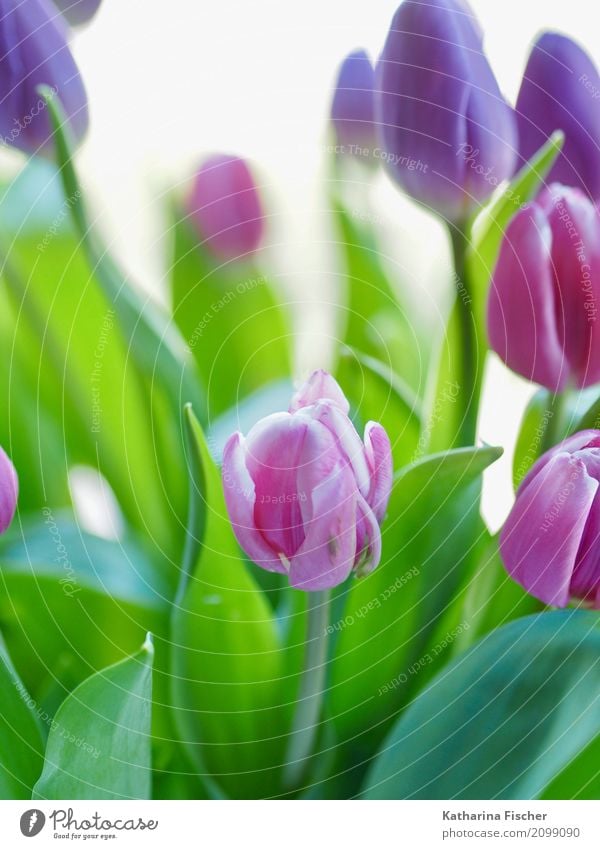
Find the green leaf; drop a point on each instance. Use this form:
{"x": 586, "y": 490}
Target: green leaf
{"x": 226, "y": 658}
{"x": 502, "y": 720}
{"x": 72, "y": 603}
{"x": 21, "y": 744}
{"x": 99, "y": 743}
{"x": 233, "y": 323}
{"x": 429, "y": 535}
{"x": 377, "y": 394}
{"x": 532, "y": 433}
{"x": 490, "y": 225}
{"x": 376, "y": 321}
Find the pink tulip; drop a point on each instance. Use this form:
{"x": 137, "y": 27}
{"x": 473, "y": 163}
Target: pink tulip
{"x": 550, "y": 543}
{"x": 225, "y": 207}
{"x": 304, "y": 494}
{"x": 543, "y": 305}
{"x": 9, "y": 489}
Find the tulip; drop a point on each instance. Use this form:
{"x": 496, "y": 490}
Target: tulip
{"x": 226, "y": 208}
{"x": 438, "y": 100}
{"x": 304, "y": 494}
{"x": 542, "y": 308}
{"x": 9, "y": 489}
{"x": 77, "y": 12}
{"x": 550, "y": 543}
{"x": 560, "y": 91}
{"x": 34, "y": 51}
{"x": 353, "y": 106}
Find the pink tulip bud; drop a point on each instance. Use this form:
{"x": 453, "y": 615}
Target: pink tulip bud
{"x": 550, "y": 543}
{"x": 225, "y": 207}
{"x": 9, "y": 489}
{"x": 305, "y": 494}
{"x": 545, "y": 295}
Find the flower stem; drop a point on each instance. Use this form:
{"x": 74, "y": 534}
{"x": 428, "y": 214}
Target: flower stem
{"x": 310, "y": 695}
{"x": 557, "y": 425}
{"x": 470, "y": 379}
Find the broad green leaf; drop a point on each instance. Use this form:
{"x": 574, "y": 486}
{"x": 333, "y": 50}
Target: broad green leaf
{"x": 429, "y": 535}
{"x": 377, "y": 394}
{"x": 532, "y": 434}
{"x": 503, "y": 720}
{"x": 72, "y": 603}
{"x": 21, "y": 744}
{"x": 99, "y": 743}
{"x": 580, "y": 779}
{"x": 231, "y": 320}
{"x": 226, "y": 658}
{"x": 376, "y": 321}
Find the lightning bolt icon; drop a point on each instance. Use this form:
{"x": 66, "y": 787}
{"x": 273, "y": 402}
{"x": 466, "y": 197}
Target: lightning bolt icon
{"x": 32, "y": 820}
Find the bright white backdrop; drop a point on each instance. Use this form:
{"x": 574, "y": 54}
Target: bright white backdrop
{"x": 170, "y": 81}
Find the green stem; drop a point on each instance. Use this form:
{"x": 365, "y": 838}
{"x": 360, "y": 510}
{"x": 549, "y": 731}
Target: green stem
{"x": 310, "y": 696}
{"x": 470, "y": 383}
{"x": 556, "y": 428}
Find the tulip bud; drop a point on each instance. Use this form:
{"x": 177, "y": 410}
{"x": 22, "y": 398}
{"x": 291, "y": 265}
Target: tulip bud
{"x": 438, "y": 100}
{"x": 9, "y": 489}
{"x": 225, "y": 207}
{"x": 77, "y": 12}
{"x": 560, "y": 91}
{"x": 550, "y": 543}
{"x": 353, "y": 106}
{"x": 304, "y": 494}
{"x": 34, "y": 51}
{"x": 543, "y": 303}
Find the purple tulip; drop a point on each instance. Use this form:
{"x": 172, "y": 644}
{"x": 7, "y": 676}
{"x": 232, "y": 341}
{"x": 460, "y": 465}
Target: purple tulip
{"x": 77, "y": 12}
{"x": 550, "y": 543}
{"x": 353, "y": 106}
{"x": 543, "y": 303}
{"x": 9, "y": 490}
{"x": 226, "y": 208}
{"x": 439, "y": 102}
{"x": 560, "y": 91}
{"x": 304, "y": 494}
{"x": 34, "y": 51}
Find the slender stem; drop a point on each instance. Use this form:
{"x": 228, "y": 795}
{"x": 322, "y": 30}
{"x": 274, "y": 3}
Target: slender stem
{"x": 310, "y": 696}
{"x": 557, "y": 424}
{"x": 470, "y": 382}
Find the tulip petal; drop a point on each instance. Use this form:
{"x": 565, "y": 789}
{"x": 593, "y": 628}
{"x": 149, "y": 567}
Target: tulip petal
{"x": 320, "y": 386}
{"x": 585, "y": 583}
{"x": 576, "y": 442}
{"x": 9, "y": 490}
{"x": 353, "y": 106}
{"x": 542, "y": 535}
{"x": 368, "y": 539}
{"x": 240, "y": 497}
{"x": 327, "y": 554}
{"x": 379, "y": 457}
{"x": 521, "y": 307}
{"x": 559, "y": 92}
{"x": 575, "y": 226}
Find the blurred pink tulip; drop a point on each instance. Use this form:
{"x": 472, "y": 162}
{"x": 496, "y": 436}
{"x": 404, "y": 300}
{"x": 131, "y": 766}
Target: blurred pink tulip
{"x": 9, "y": 489}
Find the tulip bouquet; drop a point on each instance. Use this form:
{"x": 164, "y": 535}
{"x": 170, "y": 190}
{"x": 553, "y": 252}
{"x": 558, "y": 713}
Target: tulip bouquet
{"x": 294, "y": 593}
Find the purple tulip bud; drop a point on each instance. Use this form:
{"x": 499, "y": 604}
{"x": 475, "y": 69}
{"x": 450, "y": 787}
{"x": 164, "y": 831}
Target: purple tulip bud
{"x": 9, "y": 490}
{"x": 353, "y": 106}
{"x": 305, "y": 494}
{"x": 226, "y": 208}
{"x": 77, "y": 12}
{"x": 34, "y": 51}
{"x": 560, "y": 91}
{"x": 550, "y": 543}
{"x": 439, "y": 104}
{"x": 543, "y": 303}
